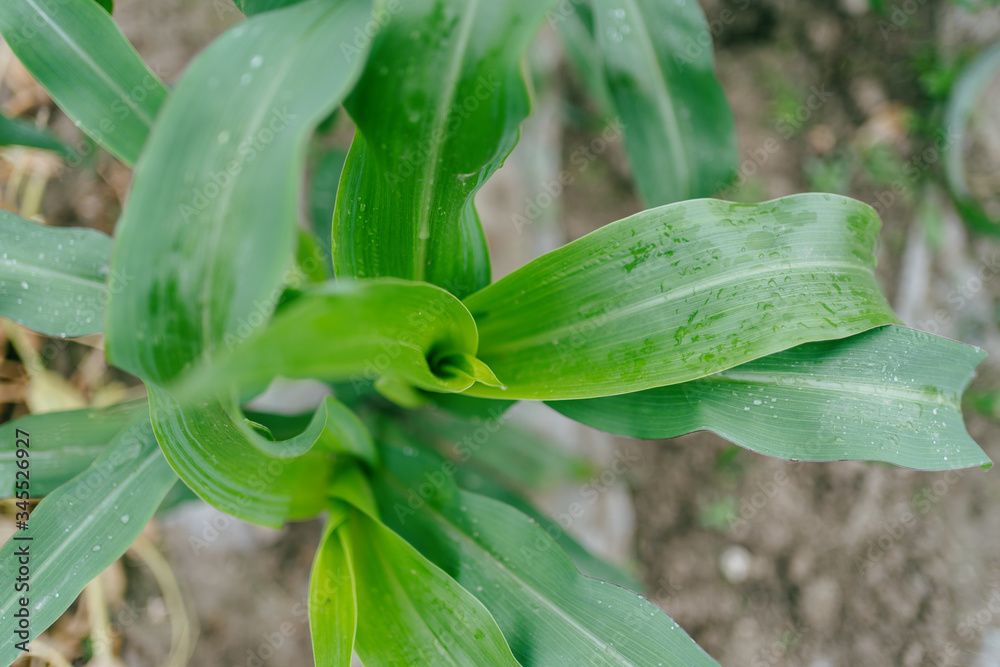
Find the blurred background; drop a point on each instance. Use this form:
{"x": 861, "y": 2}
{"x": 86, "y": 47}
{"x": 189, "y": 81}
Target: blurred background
{"x": 763, "y": 562}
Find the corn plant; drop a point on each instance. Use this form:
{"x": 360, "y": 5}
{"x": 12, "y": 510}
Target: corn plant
{"x": 763, "y": 323}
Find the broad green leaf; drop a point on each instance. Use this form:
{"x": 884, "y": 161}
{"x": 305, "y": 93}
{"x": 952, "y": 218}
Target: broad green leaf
{"x": 17, "y": 132}
{"x": 679, "y": 292}
{"x": 107, "y": 5}
{"x": 679, "y": 130}
{"x": 890, "y": 394}
{"x": 63, "y": 444}
{"x": 333, "y": 605}
{"x": 549, "y": 612}
{"x": 81, "y": 528}
{"x": 963, "y": 104}
{"x": 515, "y": 456}
{"x": 76, "y": 51}
{"x": 470, "y": 480}
{"x": 357, "y": 331}
{"x": 54, "y": 280}
{"x": 217, "y": 453}
{"x": 437, "y": 111}
{"x": 212, "y": 266}
{"x": 409, "y": 611}
{"x": 225, "y": 214}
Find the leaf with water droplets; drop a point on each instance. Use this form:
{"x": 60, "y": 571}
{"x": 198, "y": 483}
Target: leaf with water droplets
{"x": 76, "y": 51}
{"x": 549, "y": 613}
{"x": 69, "y": 528}
{"x": 679, "y": 292}
{"x": 63, "y": 444}
{"x": 53, "y": 280}
{"x": 437, "y": 112}
{"x": 890, "y": 394}
{"x": 409, "y": 612}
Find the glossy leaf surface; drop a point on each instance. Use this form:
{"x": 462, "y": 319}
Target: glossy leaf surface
{"x": 412, "y": 613}
{"x": 224, "y": 215}
{"x": 83, "y": 527}
{"x": 53, "y": 280}
{"x": 437, "y": 111}
{"x": 680, "y": 292}
{"x": 333, "y": 604}
{"x": 890, "y": 394}
{"x": 659, "y": 65}
{"x": 64, "y": 444}
{"x": 228, "y": 464}
{"x": 549, "y": 612}
{"x": 358, "y": 331}
{"x": 76, "y": 51}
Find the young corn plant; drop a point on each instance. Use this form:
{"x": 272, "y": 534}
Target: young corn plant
{"x": 762, "y": 323}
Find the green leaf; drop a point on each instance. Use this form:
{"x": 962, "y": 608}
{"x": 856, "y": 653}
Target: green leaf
{"x": 357, "y": 331}
{"x": 225, "y": 215}
{"x": 76, "y": 51}
{"x": 83, "y": 527}
{"x": 17, "y": 132}
{"x": 470, "y": 480}
{"x": 515, "y": 456}
{"x": 890, "y": 394}
{"x": 680, "y": 292}
{"x": 107, "y": 5}
{"x": 549, "y": 612}
{"x": 63, "y": 444}
{"x": 212, "y": 267}
{"x": 963, "y": 104}
{"x": 679, "y": 130}
{"x": 217, "y": 453}
{"x": 53, "y": 279}
{"x": 323, "y": 181}
{"x": 253, "y": 7}
{"x": 333, "y": 604}
{"x": 409, "y": 611}
{"x": 575, "y": 24}
{"x": 437, "y": 111}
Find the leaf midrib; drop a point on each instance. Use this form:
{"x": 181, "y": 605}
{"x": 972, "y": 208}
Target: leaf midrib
{"x": 455, "y": 530}
{"x": 725, "y": 277}
{"x": 441, "y": 113}
{"x": 70, "y": 540}
{"x": 46, "y": 272}
{"x": 664, "y": 102}
{"x": 85, "y": 57}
